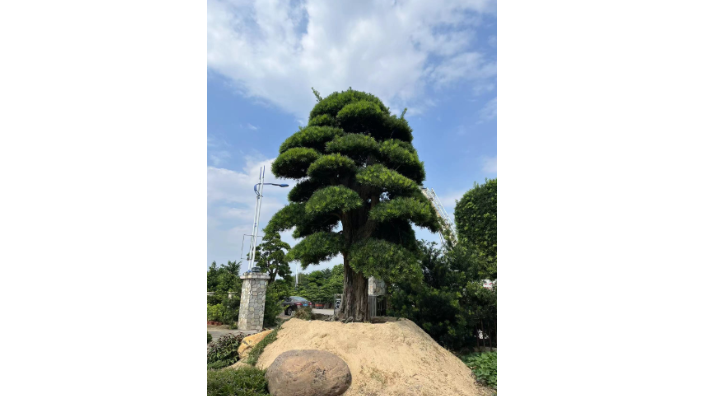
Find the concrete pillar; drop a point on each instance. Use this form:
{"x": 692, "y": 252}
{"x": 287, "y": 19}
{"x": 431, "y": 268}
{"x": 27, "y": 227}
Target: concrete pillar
{"x": 377, "y": 287}
{"x": 252, "y": 301}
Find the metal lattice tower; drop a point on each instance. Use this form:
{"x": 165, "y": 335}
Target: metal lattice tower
{"x": 446, "y": 223}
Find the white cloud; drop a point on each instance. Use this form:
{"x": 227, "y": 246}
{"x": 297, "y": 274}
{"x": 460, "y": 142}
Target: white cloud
{"x": 252, "y": 127}
{"x": 231, "y": 202}
{"x": 217, "y": 142}
{"x": 277, "y": 50}
{"x": 488, "y": 112}
{"x": 219, "y": 157}
{"x": 489, "y": 165}
{"x": 469, "y": 65}
{"x": 233, "y": 187}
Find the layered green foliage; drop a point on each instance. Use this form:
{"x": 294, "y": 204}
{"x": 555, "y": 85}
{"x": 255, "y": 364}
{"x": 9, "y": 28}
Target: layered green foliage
{"x": 355, "y": 146}
{"x": 289, "y": 216}
{"x": 357, "y": 169}
{"x": 294, "y": 215}
{"x": 384, "y": 179}
{"x": 399, "y": 232}
{"x": 476, "y": 220}
{"x": 322, "y": 120}
{"x": 331, "y": 168}
{"x": 294, "y": 163}
{"x": 401, "y": 156}
{"x": 313, "y": 137}
{"x": 419, "y": 212}
{"x": 384, "y": 260}
{"x": 336, "y": 101}
{"x": 309, "y": 225}
{"x": 317, "y": 247}
{"x": 302, "y": 191}
{"x": 397, "y": 128}
{"x": 332, "y": 199}
{"x": 361, "y": 117}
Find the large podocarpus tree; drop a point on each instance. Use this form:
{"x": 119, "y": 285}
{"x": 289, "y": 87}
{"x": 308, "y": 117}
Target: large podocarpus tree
{"x": 358, "y": 194}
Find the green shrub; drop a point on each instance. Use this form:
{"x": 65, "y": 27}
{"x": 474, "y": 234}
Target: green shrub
{"x": 259, "y": 348}
{"x": 223, "y": 352}
{"x": 216, "y": 312}
{"x": 215, "y": 299}
{"x": 246, "y": 381}
{"x": 210, "y": 338}
{"x": 483, "y": 366}
{"x": 233, "y": 326}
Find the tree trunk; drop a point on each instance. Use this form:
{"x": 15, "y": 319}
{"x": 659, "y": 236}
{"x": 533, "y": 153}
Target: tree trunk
{"x": 354, "y": 297}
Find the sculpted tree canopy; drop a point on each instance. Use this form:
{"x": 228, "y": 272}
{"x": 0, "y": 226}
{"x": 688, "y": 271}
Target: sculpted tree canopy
{"x": 358, "y": 194}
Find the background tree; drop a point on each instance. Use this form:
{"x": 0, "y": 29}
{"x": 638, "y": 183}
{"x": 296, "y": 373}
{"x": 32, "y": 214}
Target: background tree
{"x": 358, "y": 194}
{"x": 475, "y": 218}
{"x": 222, "y": 280}
{"x": 212, "y": 276}
{"x": 321, "y": 286}
{"x": 450, "y": 304}
{"x": 271, "y": 257}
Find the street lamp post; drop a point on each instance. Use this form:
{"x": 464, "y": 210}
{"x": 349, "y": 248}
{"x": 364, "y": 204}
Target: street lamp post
{"x": 258, "y": 189}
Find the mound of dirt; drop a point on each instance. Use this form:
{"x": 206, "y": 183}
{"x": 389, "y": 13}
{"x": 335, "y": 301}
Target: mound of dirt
{"x": 390, "y": 359}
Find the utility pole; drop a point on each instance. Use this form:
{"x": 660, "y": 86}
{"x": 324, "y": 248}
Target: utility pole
{"x": 258, "y": 189}
{"x": 257, "y": 211}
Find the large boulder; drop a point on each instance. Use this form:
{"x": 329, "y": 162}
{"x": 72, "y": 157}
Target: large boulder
{"x": 308, "y": 373}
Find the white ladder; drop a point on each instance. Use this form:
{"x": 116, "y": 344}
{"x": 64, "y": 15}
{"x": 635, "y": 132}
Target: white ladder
{"x": 447, "y": 225}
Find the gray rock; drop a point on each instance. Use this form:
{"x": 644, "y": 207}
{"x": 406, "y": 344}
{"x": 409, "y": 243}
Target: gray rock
{"x": 308, "y": 373}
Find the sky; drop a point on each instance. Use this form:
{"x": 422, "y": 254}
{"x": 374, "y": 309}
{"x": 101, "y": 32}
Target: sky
{"x": 437, "y": 59}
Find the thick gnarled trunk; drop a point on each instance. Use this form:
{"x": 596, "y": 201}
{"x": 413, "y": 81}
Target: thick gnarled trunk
{"x": 354, "y": 298}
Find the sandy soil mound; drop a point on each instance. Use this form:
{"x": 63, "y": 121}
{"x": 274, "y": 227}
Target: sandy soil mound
{"x": 386, "y": 359}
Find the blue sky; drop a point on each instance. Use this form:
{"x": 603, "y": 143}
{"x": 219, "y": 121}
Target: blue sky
{"x": 438, "y": 59}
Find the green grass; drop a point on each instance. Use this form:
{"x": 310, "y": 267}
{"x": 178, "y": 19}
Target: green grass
{"x": 245, "y": 381}
{"x": 253, "y": 356}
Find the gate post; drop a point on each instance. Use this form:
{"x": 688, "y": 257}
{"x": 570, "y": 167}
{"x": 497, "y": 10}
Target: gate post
{"x": 252, "y": 301}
